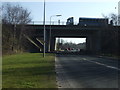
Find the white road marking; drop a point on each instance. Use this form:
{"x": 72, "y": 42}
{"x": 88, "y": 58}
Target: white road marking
{"x": 102, "y": 64}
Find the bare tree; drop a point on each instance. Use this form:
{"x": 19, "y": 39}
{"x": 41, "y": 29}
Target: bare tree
{"x": 15, "y": 15}
{"x": 111, "y": 39}
{"x": 119, "y": 19}
{"x": 115, "y": 18}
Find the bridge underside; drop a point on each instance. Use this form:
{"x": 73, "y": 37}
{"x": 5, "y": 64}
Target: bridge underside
{"x": 92, "y": 38}
{"x": 92, "y": 35}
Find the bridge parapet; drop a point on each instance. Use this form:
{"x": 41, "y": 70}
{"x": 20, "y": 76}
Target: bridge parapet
{"x": 65, "y": 27}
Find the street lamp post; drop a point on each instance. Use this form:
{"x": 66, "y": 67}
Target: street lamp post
{"x": 44, "y": 32}
{"x": 117, "y": 14}
{"x": 50, "y": 29}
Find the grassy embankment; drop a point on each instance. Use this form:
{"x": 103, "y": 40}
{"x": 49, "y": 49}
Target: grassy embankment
{"x": 28, "y": 70}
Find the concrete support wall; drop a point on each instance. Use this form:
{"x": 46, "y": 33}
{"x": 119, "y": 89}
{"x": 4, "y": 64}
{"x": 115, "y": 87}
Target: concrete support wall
{"x": 52, "y": 45}
{"x": 97, "y": 42}
{"x": 93, "y": 43}
{"x": 47, "y": 41}
{"x": 89, "y": 43}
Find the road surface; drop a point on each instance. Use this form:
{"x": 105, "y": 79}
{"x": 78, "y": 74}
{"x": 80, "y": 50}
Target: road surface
{"x": 80, "y": 71}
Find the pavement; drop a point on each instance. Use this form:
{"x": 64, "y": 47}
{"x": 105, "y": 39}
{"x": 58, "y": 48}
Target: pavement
{"x": 81, "y": 71}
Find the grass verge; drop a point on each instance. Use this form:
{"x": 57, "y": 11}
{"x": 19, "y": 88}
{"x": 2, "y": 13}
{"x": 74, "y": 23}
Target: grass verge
{"x": 28, "y": 70}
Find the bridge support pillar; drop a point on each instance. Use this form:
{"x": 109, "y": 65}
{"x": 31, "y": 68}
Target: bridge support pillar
{"x": 93, "y": 43}
{"x": 89, "y": 44}
{"x": 52, "y": 44}
{"x": 47, "y": 41}
{"x": 97, "y": 42}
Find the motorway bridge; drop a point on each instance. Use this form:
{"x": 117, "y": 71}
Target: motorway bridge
{"x": 93, "y": 35}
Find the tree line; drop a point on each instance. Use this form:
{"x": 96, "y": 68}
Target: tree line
{"x": 111, "y": 39}
{"x": 63, "y": 45}
{"x": 14, "y": 18}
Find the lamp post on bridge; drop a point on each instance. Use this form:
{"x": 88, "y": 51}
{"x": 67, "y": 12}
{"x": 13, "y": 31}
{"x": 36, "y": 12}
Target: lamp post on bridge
{"x": 117, "y": 15}
{"x": 50, "y": 28}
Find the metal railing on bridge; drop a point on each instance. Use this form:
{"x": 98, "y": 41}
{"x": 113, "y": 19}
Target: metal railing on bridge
{"x": 48, "y": 23}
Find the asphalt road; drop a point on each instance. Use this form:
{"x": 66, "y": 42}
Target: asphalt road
{"x": 80, "y": 71}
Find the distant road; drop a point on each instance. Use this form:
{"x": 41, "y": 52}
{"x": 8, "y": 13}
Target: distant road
{"x": 80, "y": 71}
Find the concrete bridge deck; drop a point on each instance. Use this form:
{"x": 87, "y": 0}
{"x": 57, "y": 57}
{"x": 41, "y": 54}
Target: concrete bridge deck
{"x": 93, "y": 34}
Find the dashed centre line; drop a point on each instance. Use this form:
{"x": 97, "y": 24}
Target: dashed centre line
{"x": 102, "y": 64}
